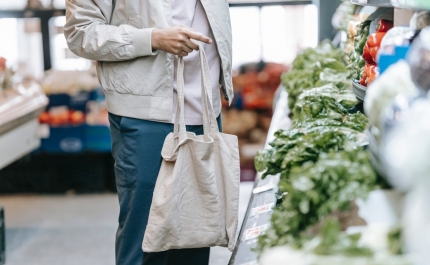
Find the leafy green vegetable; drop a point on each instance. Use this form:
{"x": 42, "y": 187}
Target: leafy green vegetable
{"x": 321, "y": 162}
{"x": 395, "y": 243}
{"x": 330, "y": 76}
{"x": 334, "y": 242}
{"x": 315, "y": 67}
{"x": 295, "y": 147}
{"x": 345, "y": 97}
{"x": 316, "y": 189}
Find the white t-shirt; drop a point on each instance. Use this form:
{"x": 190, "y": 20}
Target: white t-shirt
{"x": 192, "y": 14}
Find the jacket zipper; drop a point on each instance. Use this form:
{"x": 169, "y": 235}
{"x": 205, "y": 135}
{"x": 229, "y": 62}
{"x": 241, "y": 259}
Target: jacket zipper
{"x": 113, "y": 9}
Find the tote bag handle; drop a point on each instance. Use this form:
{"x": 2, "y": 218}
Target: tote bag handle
{"x": 209, "y": 119}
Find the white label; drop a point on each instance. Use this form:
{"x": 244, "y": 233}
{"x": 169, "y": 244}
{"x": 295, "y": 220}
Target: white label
{"x": 251, "y": 242}
{"x": 71, "y": 144}
{"x": 262, "y": 209}
{"x": 255, "y": 232}
{"x": 44, "y": 131}
{"x": 268, "y": 186}
{"x": 364, "y": 2}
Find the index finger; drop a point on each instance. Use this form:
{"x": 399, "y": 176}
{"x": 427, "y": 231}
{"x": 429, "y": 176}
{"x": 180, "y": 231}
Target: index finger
{"x": 200, "y": 37}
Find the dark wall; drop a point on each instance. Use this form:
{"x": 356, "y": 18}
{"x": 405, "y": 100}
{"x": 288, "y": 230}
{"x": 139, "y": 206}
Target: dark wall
{"x": 326, "y": 10}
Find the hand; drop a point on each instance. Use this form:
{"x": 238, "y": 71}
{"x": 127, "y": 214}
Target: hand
{"x": 177, "y": 40}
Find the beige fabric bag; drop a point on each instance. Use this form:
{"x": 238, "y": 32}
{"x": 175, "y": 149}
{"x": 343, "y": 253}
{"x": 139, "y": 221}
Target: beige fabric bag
{"x": 196, "y": 197}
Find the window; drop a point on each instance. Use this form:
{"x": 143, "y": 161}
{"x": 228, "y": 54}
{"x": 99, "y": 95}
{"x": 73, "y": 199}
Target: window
{"x": 272, "y": 33}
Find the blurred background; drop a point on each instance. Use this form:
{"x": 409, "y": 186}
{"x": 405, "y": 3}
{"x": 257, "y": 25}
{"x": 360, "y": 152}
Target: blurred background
{"x": 57, "y": 184}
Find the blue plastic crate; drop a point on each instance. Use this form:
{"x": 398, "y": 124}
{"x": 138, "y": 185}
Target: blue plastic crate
{"x": 64, "y": 139}
{"x": 56, "y": 100}
{"x": 97, "y": 138}
{"x": 75, "y": 102}
{"x": 79, "y": 101}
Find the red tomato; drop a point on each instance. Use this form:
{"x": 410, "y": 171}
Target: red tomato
{"x": 77, "y": 117}
{"x": 367, "y": 56}
{"x": 374, "y": 39}
{"x": 44, "y": 117}
{"x": 384, "y": 25}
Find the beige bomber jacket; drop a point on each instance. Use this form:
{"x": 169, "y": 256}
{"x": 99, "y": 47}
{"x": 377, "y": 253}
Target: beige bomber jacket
{"x": 137, "y": 81}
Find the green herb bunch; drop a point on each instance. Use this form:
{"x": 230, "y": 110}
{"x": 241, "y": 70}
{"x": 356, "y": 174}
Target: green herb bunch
{"x": 314, "y": 190}
{"x": 321, "y": 162}
{"x": 315, "y": 67}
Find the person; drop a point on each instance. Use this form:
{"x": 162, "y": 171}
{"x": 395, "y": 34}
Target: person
{"x": 136, "y": 44}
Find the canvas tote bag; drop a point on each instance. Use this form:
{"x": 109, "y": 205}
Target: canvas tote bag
{"x": 196, "y": 196}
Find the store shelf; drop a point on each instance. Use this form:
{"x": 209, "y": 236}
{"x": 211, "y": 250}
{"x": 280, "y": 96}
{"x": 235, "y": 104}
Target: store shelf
{"x": 359, "y": 90}
{"x": 382, "y": 3}
{"x": 258, "y": 214}
{"x": 29, "y": 13}
{"x": 415, "y": 5}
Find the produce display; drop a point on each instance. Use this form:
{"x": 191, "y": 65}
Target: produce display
{"x": 256, "y": 84}
{"x": 314, "y": 68}
{"x": 370, "y": 52}
{"x": 321, "y": 161}
{"x": 62, "y": 116}
{"x": 364, "y": 58}
{"x": 356, "y": 59}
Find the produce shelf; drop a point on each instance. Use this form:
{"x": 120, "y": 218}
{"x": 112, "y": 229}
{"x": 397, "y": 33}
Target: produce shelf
{"x": 359, "y": 90}
{"x": 416, "y": 5}
{"x": 258, "y": 214}
{"x": 384, "y": 3}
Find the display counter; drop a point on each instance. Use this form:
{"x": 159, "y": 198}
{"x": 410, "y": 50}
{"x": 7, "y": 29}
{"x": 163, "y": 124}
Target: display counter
{"x": 19, "y": 126}
{"x": 257, "y": 218}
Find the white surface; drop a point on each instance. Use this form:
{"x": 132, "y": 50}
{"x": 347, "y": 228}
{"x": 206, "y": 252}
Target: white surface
{"x": 280, "y": 119}
{"x": 381, "y": 207}
{"x": 18, "y": 142}
{"x": 73, "y": 230}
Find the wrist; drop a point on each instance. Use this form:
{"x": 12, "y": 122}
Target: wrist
{"x": 155, "y": 37}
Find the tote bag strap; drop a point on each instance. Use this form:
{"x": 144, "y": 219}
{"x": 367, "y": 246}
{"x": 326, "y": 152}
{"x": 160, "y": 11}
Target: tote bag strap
{"x": 180, "y": 112}
{"x": 209, "y": 119}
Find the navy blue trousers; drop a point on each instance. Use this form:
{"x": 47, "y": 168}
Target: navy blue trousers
{"x": 136, "y": 148}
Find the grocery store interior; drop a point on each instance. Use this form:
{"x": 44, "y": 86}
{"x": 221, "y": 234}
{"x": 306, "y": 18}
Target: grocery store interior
{"x": 331, "y": 113}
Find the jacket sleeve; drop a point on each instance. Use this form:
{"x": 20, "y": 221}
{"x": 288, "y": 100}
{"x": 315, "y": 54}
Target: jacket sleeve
{"x": 89, "y": 34}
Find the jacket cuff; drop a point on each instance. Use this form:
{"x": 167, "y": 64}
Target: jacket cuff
{"x": 142, "y": 42}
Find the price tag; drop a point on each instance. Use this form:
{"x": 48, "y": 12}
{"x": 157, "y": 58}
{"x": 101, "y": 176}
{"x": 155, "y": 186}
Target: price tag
{"x": 363, "y": 2}
{"x": 262, "y": 209}
{"x": 255, "y": 232}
